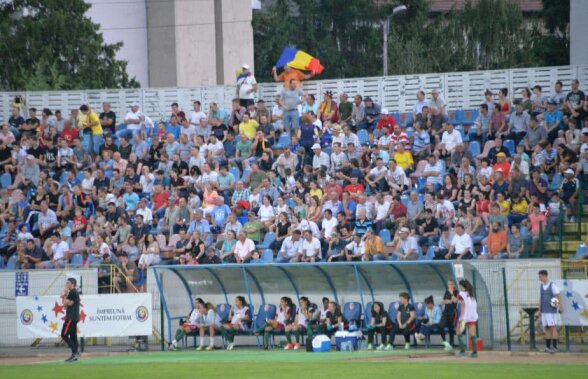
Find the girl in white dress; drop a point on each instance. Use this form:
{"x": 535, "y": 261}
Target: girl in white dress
{"x": 468, "y": 318}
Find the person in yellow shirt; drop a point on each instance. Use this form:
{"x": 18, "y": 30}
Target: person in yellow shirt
{"x": 373, "y": 247}
{"x": 248, "y": 126}
{"x": 518, "y": 209}
{"x": 92, "y": 125}
{"x": 403, "y": 158}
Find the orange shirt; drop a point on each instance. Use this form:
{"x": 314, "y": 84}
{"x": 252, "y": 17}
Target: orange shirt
{"x": 354, "y": 189}
{"x": 497, "y": 242}
{"x": 374, "y": 246}
{"x": 505, "y": 168}
{"x": 294, "y": 74}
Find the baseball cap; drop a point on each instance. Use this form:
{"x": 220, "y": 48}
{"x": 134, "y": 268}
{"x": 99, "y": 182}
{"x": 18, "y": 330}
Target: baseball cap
{"x": 316, "y": 146}
{"x": 501, "y": 154}
{"x": 30, "y": 156}
{"x": 384, "y": 111}
{"x": 368, "y": 99}
{"x": 569, "y": 171}
{"x": 245, "y": 66}
{"x": 404, "y": 230}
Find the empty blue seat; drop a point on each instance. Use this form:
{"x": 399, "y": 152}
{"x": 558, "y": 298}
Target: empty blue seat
{"x": 352, "y": 313}
{"x": 474, "y": 148}
{"x": 77, "y": 259}
{"x": 222, "y": 310}
{"x": 267, "y": 240}
{"x": 470, "y": 117}
{"x": 555, "y": 182}
{"x": 11, "y": 264}
{"x": 362, "y": 135}
{"x": 385, "y": 236}
{"x": 5, "y": 180}
{"x": 510, "y": 145}
{"x": 235, "y": 172}
{"x": 267, "y": 256}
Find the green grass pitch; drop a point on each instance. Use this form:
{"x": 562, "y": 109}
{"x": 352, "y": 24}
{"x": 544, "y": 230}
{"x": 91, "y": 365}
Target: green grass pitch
{"x": 249, "y": 363}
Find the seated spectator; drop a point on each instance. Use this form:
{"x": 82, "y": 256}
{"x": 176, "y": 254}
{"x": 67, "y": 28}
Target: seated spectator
{"x": 404, "y": 246}
{"x": 405, "y": 321}
{"x": 497, "y": 242}
{"x": 461, "y": 246}
{"x": 379, "y": 323}
{"x": 516, "y": 243}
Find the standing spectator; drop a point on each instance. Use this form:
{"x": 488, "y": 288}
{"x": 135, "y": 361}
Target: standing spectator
{"x": 93, "y": 128}
{"x": 290, "y": 75}
{"x": 107, "y": 119}
{"x": 569, "y": 190}
{"x": 538, "y": 225}
{"x": 246, "y": 87}
{"x": 289, "y": 100}
{"x": 518, "y": 124}
{"x": 575, "y": 100}
{"x": 372, "y": 112}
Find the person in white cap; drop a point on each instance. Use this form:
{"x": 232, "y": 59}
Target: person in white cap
{"x": 246, "y": 87}
{"x": 133, "y": 120}
{"x": 437, "y": 101}
{"x": 320, "y": 159}
{"x": 569, "y": 189}
{"x": 405, "y": 246}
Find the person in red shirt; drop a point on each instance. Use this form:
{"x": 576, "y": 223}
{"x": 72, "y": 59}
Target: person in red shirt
{"x": 502, "y": 163}
{"x": 68, "y": 133}
{"x": 355, "y": 189}
{"x": 333, "y": 186}
{"x": 160, "y": 198}
{"x": 386, "y": 124}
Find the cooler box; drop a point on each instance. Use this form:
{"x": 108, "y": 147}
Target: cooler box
{"x": 353, "y": 337}
{"x": 479, "y": 343}
{"x": 321, "y": 344}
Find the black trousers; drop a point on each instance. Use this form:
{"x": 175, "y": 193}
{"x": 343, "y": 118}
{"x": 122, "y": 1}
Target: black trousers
{"x": 372, "y": 332}
{"x": 406, "y": 332}
{"x": 69, "y": 333}
{"x": 448, "y": 321}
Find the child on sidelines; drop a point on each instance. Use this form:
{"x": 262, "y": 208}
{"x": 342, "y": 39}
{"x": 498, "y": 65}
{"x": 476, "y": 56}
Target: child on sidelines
{"x": 211, "y": 320}
{"x": 468, "y": 318}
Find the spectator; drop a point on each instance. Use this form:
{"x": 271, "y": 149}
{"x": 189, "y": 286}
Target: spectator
{"x": 461, "y": 245}
{"x": 497, "y": 242}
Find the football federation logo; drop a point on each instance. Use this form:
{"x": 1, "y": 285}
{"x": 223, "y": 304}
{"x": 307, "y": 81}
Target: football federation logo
{"x": 141, "y": 313}
{"x": 26, "y": 317}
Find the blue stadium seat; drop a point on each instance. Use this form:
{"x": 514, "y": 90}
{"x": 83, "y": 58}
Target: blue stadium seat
{"x": 367, "y": 314}
{"x": 510, "y": 145}
{"x": 393, "y": 311}
{"x": 458, "y": 117}
{"x": 283, "y": 141}
{"x": 291, "y": 203}
{"x": 362, "y": 135}
{"x": 236, "y": 173}
{"x": 5, "y": 180}
{"x": 267, "y": 240}
{"x": 245, "y": 174}
{"x": 420, "y": 311}
{"x": 80, "y": 176}
{"x": 11, "y": 264}
{"x": 409, "y": 132}
{"x": 404, "y": 199}
{"x": 474, "y": 148}
{"x": 222, "y": 310}
{"x": 267, "y": 256}
{"x": 77, "y": 259}
{"x": 470, "y": 117}
{"x": 352, "y": 313}
{"x": 266, "y": 312}
{"x": 407, "y": 121}
{"x": 385, "y": 236}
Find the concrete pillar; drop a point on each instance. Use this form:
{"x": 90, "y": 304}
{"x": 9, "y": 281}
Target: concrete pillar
{"x": 578, "y": 32}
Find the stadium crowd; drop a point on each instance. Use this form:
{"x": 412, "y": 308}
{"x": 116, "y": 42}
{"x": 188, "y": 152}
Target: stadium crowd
{"x": 305, "y": 180}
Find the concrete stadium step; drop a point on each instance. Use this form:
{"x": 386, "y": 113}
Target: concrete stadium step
{"x": 572, "y": 227}
{"x": 568, "y": 246}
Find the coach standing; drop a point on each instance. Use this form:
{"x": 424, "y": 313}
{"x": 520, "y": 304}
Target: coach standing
{"x": 69, "y": 332}
{"x": 449, "y": 315}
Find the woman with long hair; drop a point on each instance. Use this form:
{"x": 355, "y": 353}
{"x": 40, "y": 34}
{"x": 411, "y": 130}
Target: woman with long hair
{"x": 284, "y": 316}
{"x": 188, "y": 326}
{"x": 379, "y": 324}
{"x": 303, "y": 316}
{"x": 468, "y": 317}
{"x": 210, "y": 320}
{"x": 240, "y": 316}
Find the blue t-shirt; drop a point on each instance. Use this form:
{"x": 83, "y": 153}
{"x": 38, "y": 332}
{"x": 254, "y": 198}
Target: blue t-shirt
{"x": 220, "y": 213}
{"x": 552, "y": 117}
{"x": 173, "y": 130}
{"x": 131, "y": 200}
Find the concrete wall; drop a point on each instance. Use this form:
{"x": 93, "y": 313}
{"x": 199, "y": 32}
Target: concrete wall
{"x": 161, "y": 18}
{"x": 195, "y": 43}
{"x": 578, "y": 32}
{"x": 237, "y": 38}
{"x": 125, "y": 22}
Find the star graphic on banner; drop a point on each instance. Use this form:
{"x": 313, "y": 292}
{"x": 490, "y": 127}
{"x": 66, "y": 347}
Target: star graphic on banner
{"x": 565, "y": 283}
{"x": 569, "y": 294}
{"x": 44, "y": 318}
{"x": 53, "y": 326}
{"x": 575, "y": 305}
{"x": 57, "y": 309}
{"x": 36, "y": 298}
{"x": 40, "y": 308}
{"x": 585, "y": 314}
{"x": 83, "y": 316}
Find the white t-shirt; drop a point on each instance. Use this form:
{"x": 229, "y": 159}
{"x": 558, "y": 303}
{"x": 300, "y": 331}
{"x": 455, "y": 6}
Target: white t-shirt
{"x": 355, "y": 248}
{"x": 381, "y": 210}
{"x": 309, "y": 248}
{"x": 215, "y": 148}
{"x": 243, "y": 248}
{"x": 133, "y": 116}
{"x": 195, "y": 117}
{"x": 59, "y": 250}
{"x": 147, "y": 215}
{"x": 451, "y": 140}
{"x": 104, "y": 249}
{"x": 329, "y": 226}
{"x": 266, "y": 213}
{"x": 470, "y": 313}
{"x": 147, "y": 183}
{"x": 409, "y": 244}
{"x": 189, "y": 131}
{"x": 460, "y": 243}
{"x": 245, "y": 85}
{"x": 554, "y": 288}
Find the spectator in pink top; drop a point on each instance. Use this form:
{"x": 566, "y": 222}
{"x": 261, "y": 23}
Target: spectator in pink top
{"x": 538, "y": 222}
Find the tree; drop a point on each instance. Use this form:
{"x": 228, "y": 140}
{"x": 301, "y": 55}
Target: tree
{"x": 52, "y": 45}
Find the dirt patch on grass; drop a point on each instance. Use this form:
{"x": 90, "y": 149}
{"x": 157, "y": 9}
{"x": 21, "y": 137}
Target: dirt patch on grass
{"x": 45, "y": 358}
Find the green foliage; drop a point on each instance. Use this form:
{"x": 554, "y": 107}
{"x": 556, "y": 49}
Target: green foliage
{"x": 486, "y": 34}
{"x": 50, "y": 44}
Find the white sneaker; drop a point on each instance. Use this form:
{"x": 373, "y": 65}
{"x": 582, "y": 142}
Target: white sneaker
{"x": 389, "y": 347}
{"x": 406, "y": 346}
{"x": 553, "y": 350}
{"x": 230, "y": 346}
{"x": 547, "y": 350}
{"x": 381, "y": 347}
{"x": 370, "y": 347}
{"x": 447, "y": 346}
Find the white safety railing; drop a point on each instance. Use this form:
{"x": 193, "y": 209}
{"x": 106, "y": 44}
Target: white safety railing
{"x": 461, "y": 90}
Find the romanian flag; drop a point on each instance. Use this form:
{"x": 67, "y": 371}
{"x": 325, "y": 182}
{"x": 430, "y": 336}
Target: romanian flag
{"x": 299, "y": 60}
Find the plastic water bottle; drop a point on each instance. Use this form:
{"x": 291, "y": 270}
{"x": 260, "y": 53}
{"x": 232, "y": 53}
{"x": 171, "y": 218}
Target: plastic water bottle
{"x": 363, "y": 345}
{"x": 346, "y": 346}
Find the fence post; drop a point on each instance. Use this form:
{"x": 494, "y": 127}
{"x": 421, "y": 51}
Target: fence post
{"x": 560, "y": 229}
{"x": 566, "y": 328}
{"x": 162, "y": 324}
{"x": 506, "y": 309}
{"x": 541, "y": 240}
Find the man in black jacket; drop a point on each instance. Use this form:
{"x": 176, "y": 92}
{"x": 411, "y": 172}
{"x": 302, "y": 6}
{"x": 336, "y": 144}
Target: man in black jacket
{"x": 69, "y": 333}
